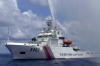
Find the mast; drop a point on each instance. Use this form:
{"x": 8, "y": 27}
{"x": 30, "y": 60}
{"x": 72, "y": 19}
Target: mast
{"x": 52, "y": 13}
{"x": 49, "y": 24}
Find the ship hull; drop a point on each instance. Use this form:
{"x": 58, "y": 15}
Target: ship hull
{"x": 26, "y": 52}
{"x": 45, "y": 52}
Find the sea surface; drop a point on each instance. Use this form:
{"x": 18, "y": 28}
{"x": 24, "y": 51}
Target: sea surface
{"x": 6, "y": 60}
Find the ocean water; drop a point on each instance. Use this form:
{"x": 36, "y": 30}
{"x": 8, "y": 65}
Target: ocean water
{"x": 6, "y": 60}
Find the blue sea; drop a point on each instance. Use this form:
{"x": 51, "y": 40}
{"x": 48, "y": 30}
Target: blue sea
{"x": 6, "y": 60}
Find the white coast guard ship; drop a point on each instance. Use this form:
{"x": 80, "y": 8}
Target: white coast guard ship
{"x": 49, "y": 44}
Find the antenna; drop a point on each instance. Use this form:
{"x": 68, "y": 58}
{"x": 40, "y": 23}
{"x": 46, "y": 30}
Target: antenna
{"x": 8, "y": 36}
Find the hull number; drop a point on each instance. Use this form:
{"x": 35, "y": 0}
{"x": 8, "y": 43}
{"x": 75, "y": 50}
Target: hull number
{"x": 35, "y": 49}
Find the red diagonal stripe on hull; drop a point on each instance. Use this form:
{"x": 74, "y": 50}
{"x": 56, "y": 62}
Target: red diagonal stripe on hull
{"x": 47, "y": 53}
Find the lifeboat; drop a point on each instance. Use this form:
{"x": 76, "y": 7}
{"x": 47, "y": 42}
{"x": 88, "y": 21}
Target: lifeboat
{"x": 68, "y": 42}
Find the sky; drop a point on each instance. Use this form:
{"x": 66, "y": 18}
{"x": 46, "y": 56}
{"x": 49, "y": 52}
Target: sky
{"x": 77, "y": 19}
